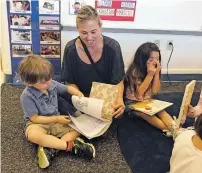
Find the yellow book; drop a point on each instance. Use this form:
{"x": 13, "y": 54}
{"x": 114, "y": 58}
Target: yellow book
{"x": 150, "y": 106}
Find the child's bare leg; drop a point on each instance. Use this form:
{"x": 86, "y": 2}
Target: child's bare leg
{"x": 38, "y": 136}
{"x": 166, "y": 118}
{"x": 71, "y": 136}
{"x": 153, "y": 120}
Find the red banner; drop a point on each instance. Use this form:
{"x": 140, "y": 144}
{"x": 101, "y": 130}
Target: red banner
{"x": 116, "y": 10}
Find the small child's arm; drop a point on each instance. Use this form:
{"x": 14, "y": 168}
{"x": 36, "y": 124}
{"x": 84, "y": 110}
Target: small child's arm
{"x": 49, "y": 119}
{"x": 144, "y": 85}
{"x": 156, "y": 84}
{"x": 74, "y": 91}
{"x": 147, "y": 81}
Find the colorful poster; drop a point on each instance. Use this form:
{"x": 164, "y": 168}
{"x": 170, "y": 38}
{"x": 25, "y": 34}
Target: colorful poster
{"x": 116, "y": 10}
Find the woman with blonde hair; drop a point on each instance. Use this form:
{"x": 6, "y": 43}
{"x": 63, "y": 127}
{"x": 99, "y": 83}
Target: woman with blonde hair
{"x": 93, "y": 57}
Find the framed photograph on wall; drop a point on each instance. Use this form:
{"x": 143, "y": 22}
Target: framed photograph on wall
{"x": 20, "y": 21}
{"x": 50, "y": 51}
{"x": 20, "y": 6}
{"x": 49, "y": 7}
{"x": 21, "y": 50}
{"x": 21, "y": 36}
{"x": 50, "y": 37}
{"x": 75, "y": 6}
{"x": 49, "y": 22}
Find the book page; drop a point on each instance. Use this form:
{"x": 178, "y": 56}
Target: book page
{"x": 186, "y": 101}
{"x": 89, "y": 106}
{"x": 89, "y": 126}
{"x": 150, "y": 106}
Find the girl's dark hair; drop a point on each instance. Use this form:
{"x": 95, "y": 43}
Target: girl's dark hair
{"x": 198, "y": 126}
{"x": 138, "y": 67}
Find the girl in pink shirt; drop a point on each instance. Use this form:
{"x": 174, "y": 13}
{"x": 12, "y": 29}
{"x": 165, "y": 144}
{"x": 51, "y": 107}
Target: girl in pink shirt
{"x": 142, "y": 80}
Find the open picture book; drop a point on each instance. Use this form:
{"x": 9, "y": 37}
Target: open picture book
{"x": 153, "y": 106}
{"x": 150, "y": 106}
{"x": 189, "y": 89}
{"x": 96, "y": 111}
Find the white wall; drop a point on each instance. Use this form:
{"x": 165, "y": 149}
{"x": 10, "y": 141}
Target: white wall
{"x": 6, "y": 63}
{"x": 183, "y": 15}
{"x": 186, "y": 58}
{"x": 1, "y": 72}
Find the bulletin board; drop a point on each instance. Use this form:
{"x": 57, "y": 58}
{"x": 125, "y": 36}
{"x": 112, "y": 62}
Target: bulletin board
{"x": 34, "y": 28}
{"x": 179, "y": 15}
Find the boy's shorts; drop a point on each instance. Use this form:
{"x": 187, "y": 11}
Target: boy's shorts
{"x": 54, "y": 129}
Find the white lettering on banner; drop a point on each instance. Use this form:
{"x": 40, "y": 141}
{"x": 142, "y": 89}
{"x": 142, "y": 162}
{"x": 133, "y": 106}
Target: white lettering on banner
{"x": 105, "y": 3}
{"x": 124, "y": 12}
{"x": 105, "y": 11}
{"x": 127, "y": 5}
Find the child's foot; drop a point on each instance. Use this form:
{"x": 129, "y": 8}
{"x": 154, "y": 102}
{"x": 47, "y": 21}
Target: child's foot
{"x": 45, "y": 156}
{"x": 171, "y": 130}
{"x": 85, "y": 150}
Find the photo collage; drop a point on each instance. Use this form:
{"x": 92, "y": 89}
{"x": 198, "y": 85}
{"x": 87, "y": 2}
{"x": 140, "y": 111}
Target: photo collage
{"x": 45, "y": 40}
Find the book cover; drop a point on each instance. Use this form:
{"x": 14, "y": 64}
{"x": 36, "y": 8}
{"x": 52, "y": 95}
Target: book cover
{"x": 186, "y": 101}
{"x": 108, "y": 93}
{"x": 150, "y": 106}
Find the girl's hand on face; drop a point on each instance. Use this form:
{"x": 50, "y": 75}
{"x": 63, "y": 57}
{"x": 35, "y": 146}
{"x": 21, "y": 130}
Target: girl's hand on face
{"x": 151, "y": 68}
{"x": 158, "y": 67}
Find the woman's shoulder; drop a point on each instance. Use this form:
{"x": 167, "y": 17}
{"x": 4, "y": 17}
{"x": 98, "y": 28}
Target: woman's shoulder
{"x": 111, "y": 42}
{"x": 70, "y": 45}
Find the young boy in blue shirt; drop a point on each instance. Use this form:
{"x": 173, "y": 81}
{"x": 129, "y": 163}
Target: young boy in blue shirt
{"x": 43, "y": 123}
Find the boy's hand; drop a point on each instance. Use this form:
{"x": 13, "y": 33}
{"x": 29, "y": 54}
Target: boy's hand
{"x": 63, "y": 119}
{"x": 80, "y": 94}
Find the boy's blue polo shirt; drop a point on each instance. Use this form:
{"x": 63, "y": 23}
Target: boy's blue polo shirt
{"x": 35, "y": 102}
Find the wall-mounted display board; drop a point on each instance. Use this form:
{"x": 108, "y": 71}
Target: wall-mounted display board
{"x": 34, "y": 28}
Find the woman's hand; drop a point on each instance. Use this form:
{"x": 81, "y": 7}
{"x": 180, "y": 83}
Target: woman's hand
{"x": 119, "y": 108}
{"x": 63, "y": 119}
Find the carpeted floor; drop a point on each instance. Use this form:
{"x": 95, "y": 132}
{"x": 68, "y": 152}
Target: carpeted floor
{"x": 18, "y": 155}
{"x": 145, "y": 147}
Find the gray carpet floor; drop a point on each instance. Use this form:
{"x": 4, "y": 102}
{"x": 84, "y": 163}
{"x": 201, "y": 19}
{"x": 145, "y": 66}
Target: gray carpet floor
{"x": 19, "y": 156}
